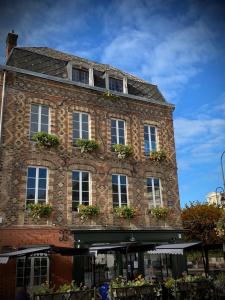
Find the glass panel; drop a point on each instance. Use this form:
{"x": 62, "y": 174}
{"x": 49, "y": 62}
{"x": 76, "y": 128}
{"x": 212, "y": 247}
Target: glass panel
{"x": 41, "y": 194}
{"x": 76, "y": 134}
{"x": 75, "y": 185}
{"x": 75, "y": 195}
{"x": 123, "y": 189}
{"x": 85, "y": 126}
{"x": 145, "y": 129}
{"x": 115, "y": 179}
{"x": 154, "y": 146}
{"x": 31, "y": 183}
{"x": 85, "y": 186}
{"x": 76, "y": 117}
{"x": 85, "y": 197}
{"x": 115, "y": 198}
{"x": 45, "y": 110}
{"x": 31, "y": 172}
{"x": 85, "y": 176}
{"x": 152, "y": 130}
{"x": 85, "y": 118}
{"x": 34, "y": 108}
{"x": 121, "y": 140}
{"x": 42, "y": 184}
{"x": 114, "y": 140}
{"x": 121, "y": 124}
{"x": 113, "y": 131}
{"x": 44, "y": 128}
{"x": 30, "y": 194}
{"x": 34, "y": 127}
{"x": 123, "y": 198}
{"x": 44, "y": 119}
{"x": 75, "y": 204}
{"x": 85, "y": 135}
{"x": 123, "y": 179}
{"x": 115, "y": 188}
{"x": 42, "y": 173}
{"x": 75, "y": 175}
{"x": 113, "y": 123}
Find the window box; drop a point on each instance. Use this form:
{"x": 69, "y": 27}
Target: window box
{"x": 86, "y": 146}
{"x": 88, "y": 211}
{"x": 45, "y": 139}
{"x": 157, "y": 155}
{"x": 123, "y": 151}
{"x": 125, "y": 212}
{"x": 160, "y": 213}
{"x": 38, "y": 211}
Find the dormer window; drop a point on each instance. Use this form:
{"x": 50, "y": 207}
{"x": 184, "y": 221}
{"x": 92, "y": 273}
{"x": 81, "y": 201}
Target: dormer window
{"x": 80, "y": 75}
{"x": 116, "y": 84}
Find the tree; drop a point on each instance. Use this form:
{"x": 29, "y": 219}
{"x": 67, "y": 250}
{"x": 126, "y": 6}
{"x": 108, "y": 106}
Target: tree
{"x": 200, "y": 220}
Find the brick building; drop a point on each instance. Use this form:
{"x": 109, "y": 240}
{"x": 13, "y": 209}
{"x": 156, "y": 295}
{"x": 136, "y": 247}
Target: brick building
{"x": 46, "y": 90}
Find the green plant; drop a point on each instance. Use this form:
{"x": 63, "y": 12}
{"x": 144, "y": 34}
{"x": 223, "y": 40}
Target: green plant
{"x": 37, "y": 211}
{"x": 43, "y": 289}
{"x": 160, "y": 213}
{"x": 125, "y": 212}
{"x": 110, "y": 95}
{"x": 87, "y": 145}
{"x": 157, "y": 155}
{"x": 45, "y": 139}
{"x": 86, "y": 211}
{"x": 68, "y": 287}
{"x": 123, "y": 151}
{"x": 219, "y": 282}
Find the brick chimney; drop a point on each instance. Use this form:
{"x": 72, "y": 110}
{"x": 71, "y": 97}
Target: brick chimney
{"x": 11, "y": 42}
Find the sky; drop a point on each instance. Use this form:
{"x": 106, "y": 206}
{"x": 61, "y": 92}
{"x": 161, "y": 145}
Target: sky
{"x": 177, "y": 45}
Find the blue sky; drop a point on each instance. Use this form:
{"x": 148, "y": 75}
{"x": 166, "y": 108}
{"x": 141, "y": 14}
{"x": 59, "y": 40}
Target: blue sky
{"x": 178, "y": 45}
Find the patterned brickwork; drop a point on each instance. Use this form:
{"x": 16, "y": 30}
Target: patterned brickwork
{"x": 19, "y": 152}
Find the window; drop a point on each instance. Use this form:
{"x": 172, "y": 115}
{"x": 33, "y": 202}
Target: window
{"x": 80, "y": 188}
{"x": 115, "y": 84}
{"x": 119, "y": 190}
{"x": 80, "y": 126}
{"x": 154, "y": 192}
{"x": 80, "y": 75}
{"x": 150, "y": 138}
{"x": 36, "y": 185}
{"x": 34, "y": 273}
{"x": 39, "y": 119}
{"x": 117, "y": 132}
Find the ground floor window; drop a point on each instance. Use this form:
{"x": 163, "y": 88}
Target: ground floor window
{"x": 32, "y": 271}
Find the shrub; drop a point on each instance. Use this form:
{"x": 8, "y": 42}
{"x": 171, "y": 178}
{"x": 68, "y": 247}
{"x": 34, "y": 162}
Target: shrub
{"x": 125, "y": 212}
{"x": 37, "y": 211}
{"x": 45, "y": 139}
{"x": 86, "y": 145}
{"x": 160, "y": 213}
{"x": 157, "y": 155}
{"x": 123, "y": 151}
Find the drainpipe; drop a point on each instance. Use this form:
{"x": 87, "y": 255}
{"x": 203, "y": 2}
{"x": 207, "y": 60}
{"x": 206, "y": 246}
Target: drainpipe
{"x": 2, "y": 104}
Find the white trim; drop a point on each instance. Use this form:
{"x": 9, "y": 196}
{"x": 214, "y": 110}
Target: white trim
{"x": 39, "y": 117}
{"x": 91, "y": 76}
{"x": 117, "y": 130}
{"x": 153, "y": 191}
{"x": 119, "y": 188}
{"x": 80, "y": 186}
{"x": 125, "y": 87}
{"x": 81, "y": 124}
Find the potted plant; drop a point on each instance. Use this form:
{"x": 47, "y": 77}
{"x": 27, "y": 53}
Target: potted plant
{"x": 88, "y": 211}
{"x": 123, "y": 151}
{"x": 38, "y": 211}
{"x": 157, "y": 155}
{"x": 45, "y": 139}
{"x": 86, "y": 146}
{"x": 160, "y": 213}
{"x": 125, "y": 212}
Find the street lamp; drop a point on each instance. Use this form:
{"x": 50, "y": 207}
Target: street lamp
{"x": 222, "y": 197}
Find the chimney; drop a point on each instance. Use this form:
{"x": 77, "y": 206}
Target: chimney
{"x": 11, "y": 42}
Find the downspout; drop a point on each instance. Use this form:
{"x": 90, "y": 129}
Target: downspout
{"x": 2, "y": 104}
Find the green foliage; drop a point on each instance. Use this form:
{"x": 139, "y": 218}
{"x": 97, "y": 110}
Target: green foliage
{"x": 88, "y": 211}
{"x": 160, "y": 213}
{"x": 170, "y": 283}
{"x": 86, "y": 146}
{"x": 111, "y": 96}
{"x": 43, "y": 289}
{"x": 37, "y": 211}
{"x": 200, "y": 220}
{"x": 194, "y": 256}
{"x": 125, "y": 212}
{"x": 157, "y": 155}
{"x": 220, "y": 228}
{"x": 45, "y": 139}
{"x": 123, "y": 151}
{"x": 66, "y": 287}
{"x": 219, "y": 282}
{"x": 120, "y": 282}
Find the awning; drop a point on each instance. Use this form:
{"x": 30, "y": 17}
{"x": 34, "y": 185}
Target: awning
{"x": 123, "y": 247}
{"x": 27, "y": 251}
{"x": 176, "y": 249}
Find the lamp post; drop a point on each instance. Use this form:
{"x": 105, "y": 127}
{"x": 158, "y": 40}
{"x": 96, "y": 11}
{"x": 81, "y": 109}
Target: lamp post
{"x": 221, "y": 195}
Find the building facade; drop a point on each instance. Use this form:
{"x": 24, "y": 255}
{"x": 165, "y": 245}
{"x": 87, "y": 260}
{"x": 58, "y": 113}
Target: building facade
{"x": 73, "y": 98}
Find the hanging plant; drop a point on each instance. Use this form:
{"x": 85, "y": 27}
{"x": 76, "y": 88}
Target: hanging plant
{"x": 86, "y": 146}
{"x": 45, "y": 139}
{"x": 157, "y": 155}
{"x": 88, "y": 211}
{"x": 111, "y": 96}
{"x": 123, "y": 151}
{"x": 125, "y": 212}
{"x": 38, "y": 211}
{"x": 160, "y": 213}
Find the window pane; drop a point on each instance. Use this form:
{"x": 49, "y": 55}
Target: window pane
{"x": 85, "y": 176}
{"x": 33, "y": 129}
{"x": 123, "y": 198}
{"x": 152, "y": 130}
{"x": 31, "y": 194}
{"x": 31, "y": 172}
{"x": 34, "y": 118}
{"x": 121, "y": 140}
{"x": 123, "y": 189}
{"x": 115, "y": 188}
{"x": 75, "y": 185}
{"x": 85, "y": 186}
{"x": 115, "y": 179}
{"x": 44, "y": 128}
{"x": 31, "y": 183}
{"x": 85, "y": 197}
{"x": 75, "y": 196}
{"x": 115, "y": 198}
{"x": 75, "y": 175}
{"x": 85, "y": 135}
{"x": 76, "y": 117}
{"x": 85, "y": 126}
{"x": 76, "y": 134}
{"x": 44, "y": 119}
{"x": 42, "y": 184}
{"x": 41, "y": 194}
{"x": 114, "y": 140}
{"x": 44, "y": 110}
{"x": 84, "y": 118}
{"x": 34, "y": 108}
{"x": 42, "y": 173}
{"x": 113, "y": 123}
{"x": 123, "y": 179}
{"x": 121, "y": 124}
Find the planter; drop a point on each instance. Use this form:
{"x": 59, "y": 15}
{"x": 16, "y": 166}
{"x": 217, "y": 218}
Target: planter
{"x": 78, "y": 295}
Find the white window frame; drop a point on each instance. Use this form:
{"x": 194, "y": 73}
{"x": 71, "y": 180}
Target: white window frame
{"x": 117, "y": 130}
{"x": 36, "y": 183}
{"x": 80, "y": 186}
{"x": 153, "y": 191}
{"x": 31, "y": 276}
{"x": 39, "y": 118}
{"x": 149, "y": 137}
{"x": 119, "y": 188}
{"x": 81, "y": 126}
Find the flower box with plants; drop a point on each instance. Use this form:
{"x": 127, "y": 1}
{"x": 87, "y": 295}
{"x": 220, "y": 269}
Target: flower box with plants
{"x": 157, "y": 155}
{"x": 159, "y": 213}
{"x": 65, "y": 291}
{"x": 88, "y": 211}
{"x": 111, "y": 96}
{"x": 125, "y": 212}
{"x": 38, "y": 211}
{"x": 123, "y": 151}
{"x": 45, "y": 139}
{"x": 86, "y": 146}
